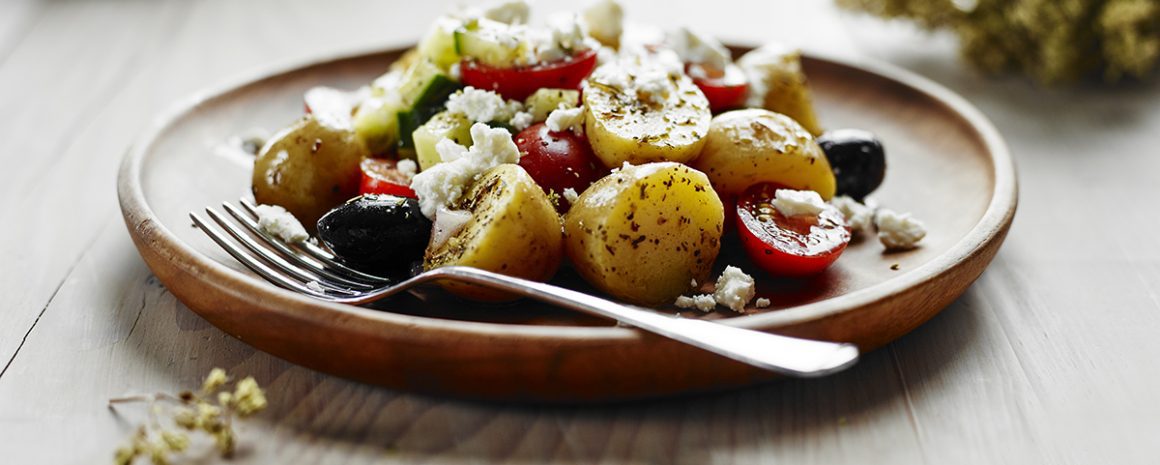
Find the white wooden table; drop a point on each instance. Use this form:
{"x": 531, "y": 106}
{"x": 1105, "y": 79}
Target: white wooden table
{"x": 1051, "y": 357}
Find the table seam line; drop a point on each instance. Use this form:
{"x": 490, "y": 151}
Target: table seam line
{"x": 52, "y": 298}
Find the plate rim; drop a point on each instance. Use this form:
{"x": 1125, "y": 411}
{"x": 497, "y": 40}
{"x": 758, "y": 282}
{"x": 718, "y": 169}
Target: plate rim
{"x": 140, "y": 218}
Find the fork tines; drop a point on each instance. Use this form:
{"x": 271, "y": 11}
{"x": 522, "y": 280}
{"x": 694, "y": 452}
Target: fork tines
{"x": 303, "y": 267}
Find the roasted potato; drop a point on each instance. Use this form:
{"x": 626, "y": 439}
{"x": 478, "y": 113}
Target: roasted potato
{"x": 644, "y": 232}
{"x": 308, "y": 168}
{"x": 629, "y": 120}
{"x": 779, "y": 84}
{"x": 513, "y": 230}
{"x": 746, "y": 147}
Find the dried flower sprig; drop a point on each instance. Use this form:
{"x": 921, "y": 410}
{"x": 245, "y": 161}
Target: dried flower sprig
{"x": 1052, "y": 41}
{"x": 211, "y": 410}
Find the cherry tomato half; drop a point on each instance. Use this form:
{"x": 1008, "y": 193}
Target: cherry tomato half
{"x": 520, "y": 82}
{"x": 558, "y": 160}
{"x": 788, "y": 246}
{"x": 379, "y": 176}
{"x": 725, "y": 89}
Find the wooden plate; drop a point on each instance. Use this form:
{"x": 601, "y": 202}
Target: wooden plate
{"x": 947, "y": 165}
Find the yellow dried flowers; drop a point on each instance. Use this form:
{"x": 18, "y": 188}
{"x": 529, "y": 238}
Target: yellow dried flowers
{"x": 1052, "y": 41}
{"x": 211, "y": 411}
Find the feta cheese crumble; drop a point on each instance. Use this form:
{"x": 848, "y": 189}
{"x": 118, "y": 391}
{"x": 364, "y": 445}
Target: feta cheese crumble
{"x": 793, "y": 203}
{"x": 703, "y": 302}
{"x": 762, "y": 303}
{"x": 408, "y": 168}
{"x": 508, "y": 12}
{"x": 482, "y": 106}
{"x": 278, "y": 222}
{"x": 858, "y": 216}
{"x": 570, "y": 195}
{"x": 315, "y": 286}
{"x": 734, "y": 289}
{"x": 898, "y": 231}
{"x": 605, "y": 20}
{"x": 445, "y": 183}
{"x": 697, "y": 48}
{"x": 567, "y": 119}
{"x": 521, "y": 120}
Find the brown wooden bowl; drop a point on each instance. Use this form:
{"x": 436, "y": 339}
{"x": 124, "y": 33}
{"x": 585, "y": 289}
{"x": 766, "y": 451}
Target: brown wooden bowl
{"x": 947, "y": 165}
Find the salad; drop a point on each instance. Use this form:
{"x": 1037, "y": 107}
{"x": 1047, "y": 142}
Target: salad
{"x": 630, "y": 155}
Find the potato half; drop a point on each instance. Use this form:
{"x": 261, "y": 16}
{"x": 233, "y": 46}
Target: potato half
{"x": 644, "y": 232}
{"x": 308, "y": 168}
{"x": 513, "y": 230}
{"x": 746, "y": 147}
{"x": 630, "y": 120}
{"x": 780, "y": 85}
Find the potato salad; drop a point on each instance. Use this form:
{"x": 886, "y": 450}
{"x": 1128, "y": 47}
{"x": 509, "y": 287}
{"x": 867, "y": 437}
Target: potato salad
{"x": 632, "y": 154}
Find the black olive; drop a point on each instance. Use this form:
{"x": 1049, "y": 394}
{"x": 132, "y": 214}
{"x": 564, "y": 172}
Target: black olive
{"x": 379, "y": 231}
{"x": 857, "y": 158}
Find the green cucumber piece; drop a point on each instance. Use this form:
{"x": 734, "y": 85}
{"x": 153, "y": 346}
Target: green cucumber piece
{"x": 444, "y": 125}
{"x": 376, "y": 123}
{"x": 541, "y": 103}
{"x": 491, "y": 43}
{"x": 439, "y": 44}
{"x": 424, "y": 92}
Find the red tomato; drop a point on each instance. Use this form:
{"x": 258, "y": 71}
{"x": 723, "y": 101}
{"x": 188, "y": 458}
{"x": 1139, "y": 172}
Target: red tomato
{"x": 379, "y": 176}
{"x": 520, "y": 82}
{"x": 726, "y": 89}
{"x": 558, "y": 160}
{"x": 788, "y": 246}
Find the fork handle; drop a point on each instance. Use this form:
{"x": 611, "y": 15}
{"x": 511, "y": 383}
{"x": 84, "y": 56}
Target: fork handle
{"x": 782, "y": 354}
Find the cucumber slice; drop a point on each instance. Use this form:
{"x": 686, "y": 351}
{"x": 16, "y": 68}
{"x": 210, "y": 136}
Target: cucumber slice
{"x": 376, "y": 123}
{"x": 452, "y": 126}
{"x": 439, "y": 43}
{"x": 424, "y": 91}
{"x": 491, "y": 43}
{"x": 541, "y": 103}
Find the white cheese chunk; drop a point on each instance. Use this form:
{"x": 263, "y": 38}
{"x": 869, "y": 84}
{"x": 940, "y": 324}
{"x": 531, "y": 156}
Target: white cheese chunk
{"x": 408, "y": 168}
{"x": 858, "y": 217}
{"x": 566, "y": 119}
{"x": 898, "y": 231}
{"x": 793, "y": 202}
{"x": 482, "y": 106}
{"x": 734, "y": 289}
{"x": 570, "y": 195}
{"x": 605, "y": 20}
{"x": 446, "y": 182}
{"x": 698, "y": 48}
{"x": 703, "y": 302}
{"x": 521, "y": 120}
{"x": 762, "y": 303}
{"x": 333, "y": 107}
{"x": 508, "y": 12}
{"x": 278, "y": 222}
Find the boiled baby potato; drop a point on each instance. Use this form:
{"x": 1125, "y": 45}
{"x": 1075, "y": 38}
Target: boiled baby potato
{"x": 746, "y": 147}
{"x": 779, "y": 84}
{"x": 644, "y": 232}
{"x": 644, "y": 113}
{"x": 309, "y": 168}
{"x": 513, "y": 230}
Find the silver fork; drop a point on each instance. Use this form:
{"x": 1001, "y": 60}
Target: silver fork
{"x": 311, "y": 270}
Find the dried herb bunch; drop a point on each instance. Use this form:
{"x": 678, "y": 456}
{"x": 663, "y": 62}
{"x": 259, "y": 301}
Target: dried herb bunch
{"x": 1052, "y": 41}
{"x": 211, "y": 411}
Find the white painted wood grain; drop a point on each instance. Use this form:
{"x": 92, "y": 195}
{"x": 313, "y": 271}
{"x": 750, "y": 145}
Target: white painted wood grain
{"x": 1050, "y": 358}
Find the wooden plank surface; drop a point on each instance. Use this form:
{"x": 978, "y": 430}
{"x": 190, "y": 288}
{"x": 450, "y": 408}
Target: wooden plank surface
{"x": 1049, "y": 358}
